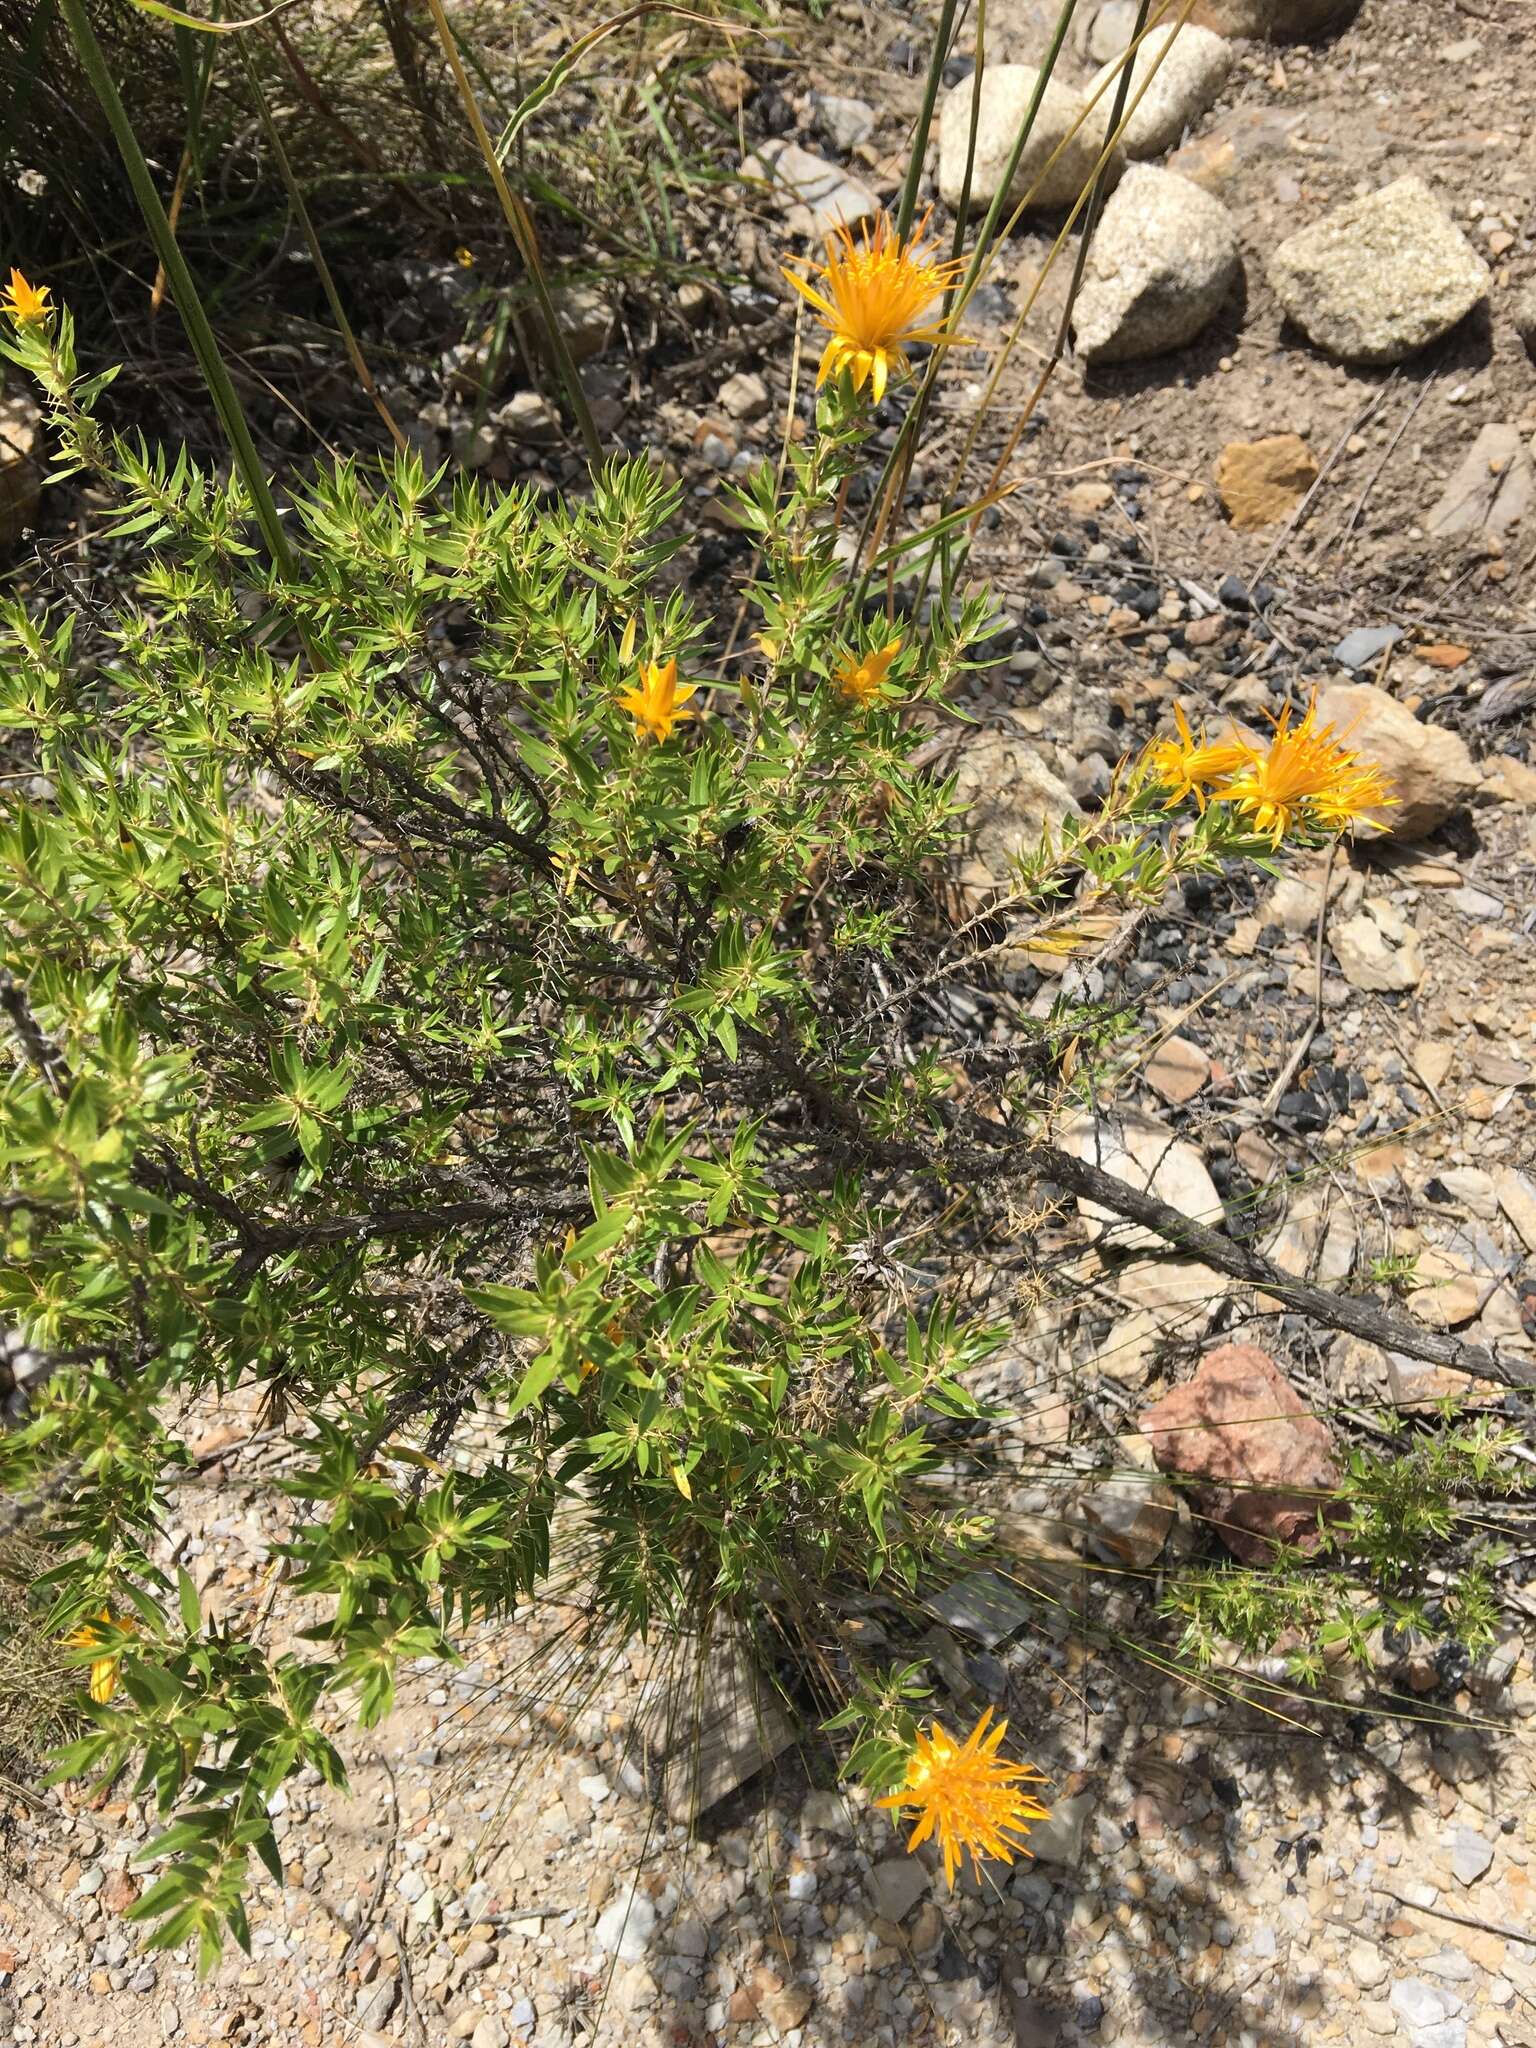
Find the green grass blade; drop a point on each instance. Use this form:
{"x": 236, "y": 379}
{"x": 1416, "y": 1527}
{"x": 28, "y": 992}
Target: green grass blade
{"x": 188, "y": 302}
{"x": 943, "y": 36}
{"x": 522, "y": 233}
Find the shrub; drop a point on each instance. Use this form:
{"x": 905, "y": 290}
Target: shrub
{"x": 441, "y": 986}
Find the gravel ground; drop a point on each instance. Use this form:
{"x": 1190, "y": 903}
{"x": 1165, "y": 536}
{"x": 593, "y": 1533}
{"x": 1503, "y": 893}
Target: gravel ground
{"x": 1219, "y": 1867}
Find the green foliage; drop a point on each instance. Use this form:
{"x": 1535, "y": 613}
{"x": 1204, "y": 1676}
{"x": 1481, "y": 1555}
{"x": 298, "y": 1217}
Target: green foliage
{"x": 1397, "y": 1517}
{"x": 881, "y": 1723}
{"x": 402, "y": 1031}
{"x": 1398, "y": 1271}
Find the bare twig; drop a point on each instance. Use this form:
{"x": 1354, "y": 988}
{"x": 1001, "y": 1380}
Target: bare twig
{"x": 1347, "y": 529}
{"x": 1500, "y": 1927}
{"x": 376, "y": 1897}
{"x": 1363, "y": 418}
{"x": 1239, "y": 1260}
{"x": 408, "y": 1987}
{"x": 1284, "y": 1078}
{"x": 1408, "y": 1059}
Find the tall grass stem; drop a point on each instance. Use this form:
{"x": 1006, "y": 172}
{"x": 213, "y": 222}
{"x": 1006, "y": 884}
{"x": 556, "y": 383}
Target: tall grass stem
{"x": 350, "y": 341}
{"x": 183, "y": 289}
{"x": 943, "y": 35}
{"x": 522, "y": 233}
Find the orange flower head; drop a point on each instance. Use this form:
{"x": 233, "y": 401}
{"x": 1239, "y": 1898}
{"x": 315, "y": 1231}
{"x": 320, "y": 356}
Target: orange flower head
{"x": 103, "y": 1679}
{"x": 862, "y": 676}
{"x": 1194, "y": 767}
{"x": 1306, "y": 777}
{"x": 655, "y": 702}
{"x": 875, "y": 297}
{"x": 27, "y": 304}
{"x": 968, "y": 1795}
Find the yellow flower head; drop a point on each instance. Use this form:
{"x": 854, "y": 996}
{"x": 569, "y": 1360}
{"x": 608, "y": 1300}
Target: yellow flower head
{"x": 103, "y": 1679}
{"x": 26, "y": 303}
{"x": 1305, "y": 777}
{"x": 876, "y": 295}
{"x": 968, "y": 1795}
{"x": 1192, "y": 767}
{"x": 862, "y": 676}
{"x": 655, "y": 702}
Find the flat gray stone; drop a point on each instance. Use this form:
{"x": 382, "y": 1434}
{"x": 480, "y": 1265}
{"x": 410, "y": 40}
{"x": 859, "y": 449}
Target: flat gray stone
{"x": 1471, "y": 1854}
{"x": 1381, "y": 278}
{"x": 1059, "y": 1839}
{"x": 1365, "y": 645}
{"x": 711, "y": 1728}
{"x": 816, "y": 196}
{"x": 895, "y": 1886}
{"x": 985, "y": 1606}
{"x": 1491, "y": 488}
{"x": 844, "y": 122}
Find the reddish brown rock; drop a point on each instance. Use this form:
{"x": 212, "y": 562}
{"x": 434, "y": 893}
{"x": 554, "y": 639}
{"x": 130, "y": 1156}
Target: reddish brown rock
{"x": 119, "y": 1892}
{"x": 1258, "y": 1464}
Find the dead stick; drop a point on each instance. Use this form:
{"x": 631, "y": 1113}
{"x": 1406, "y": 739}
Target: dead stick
{"x": 1461, "y": 1919}
{"x": 1342, "y": 537}
{"x": 1241, "y": 1262}
{"x": 1367, "y": 413}
{"x": 1314, "y": 1023}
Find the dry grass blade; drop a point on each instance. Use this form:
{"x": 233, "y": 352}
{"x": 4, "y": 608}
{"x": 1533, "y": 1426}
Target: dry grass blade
{"x": 523, "y": 235}
{"x": 355, "y": 354}
{"x": 1084, "y": 209}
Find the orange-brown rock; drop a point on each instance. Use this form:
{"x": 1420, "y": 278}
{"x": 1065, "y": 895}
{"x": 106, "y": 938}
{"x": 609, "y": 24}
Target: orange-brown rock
{"x": 1263, "y": 481}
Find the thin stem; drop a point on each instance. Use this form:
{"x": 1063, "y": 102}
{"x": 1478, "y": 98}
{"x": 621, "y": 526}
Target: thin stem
{"x": 931, "y": 84}
{"x": 317, "y": 256}
{"x": 1090, "y": 202}
{"x": 522, "y": 234}
{"x": 888, "y": 491}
